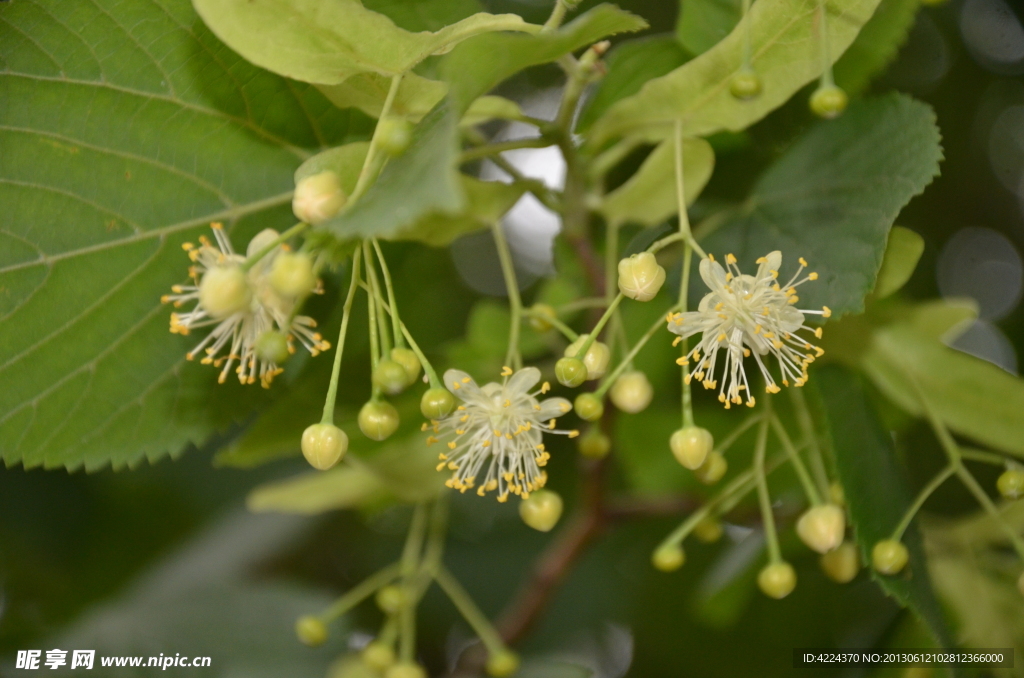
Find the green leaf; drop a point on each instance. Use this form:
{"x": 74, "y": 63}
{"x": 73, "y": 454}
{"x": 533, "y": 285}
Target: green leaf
{"x": 488, "y": 108}
{"x": 424, "y": 15}
{"x": 833, "y": 196}
{"x": 342, "y": 487}
{"x": 876, "y": 45}
{"x": 876, "y": 493}
{"x": 415, "y": 98}
{"x": 486, "y": 202}
{"x": 345, "y": 161}
{"x": 327, "y": 41}
{"x": 649, "y": 196}
{"x": 105, "y": 171}
{"x": 902, "y": 253}
{"x": 704, "y": 23}
{"x": 785, "y": 47}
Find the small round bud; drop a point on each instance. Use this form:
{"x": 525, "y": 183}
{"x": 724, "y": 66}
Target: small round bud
{"x": 594, "y": 443}
{"x": 273, "y": 347}
{"x": 224, "y": 291}
{"x": 570, "y": 372}
{"x": 541, "y": 510}
{"x": 405, "y": 670}
{"x": 323, "y": 445}
{"x": 318, "y": 197}
{"x": 1011, "y": 483}
{"x": 889, "y": 556}
{"x": 378, "y": 419}
{"x": 713, "y": 468}
{"x": 668, "y": 558}
{"x": 596, "y": 358}
{"x": 691, "y": 446}
{"x": 406, "y": 357}
{"x": 310, "y": 631}
{"x": 394, "y": 135}
{"x": 390, "y": 377}
{"x": 828, "y": 102}
{"x": 745, "y": 85}
{"x": 822, "y": 527}
{"x": 843, "y": 564}
{"x": 837, "y": 494}
{"x": 437, "y": 403}
{"x": 632, "y": 392}
{"x": 589, "y": 407}
{"x": 502, "y": 664}
{"x": 709, "y": 530}
{"x": 378, "y": 656}
{"x": 777, "y": 580}
{"x": 539, "y": 314}
{"x": 292, "y": 274}
{"x": 640, "y": 276}
{"x": 390, "y": 599}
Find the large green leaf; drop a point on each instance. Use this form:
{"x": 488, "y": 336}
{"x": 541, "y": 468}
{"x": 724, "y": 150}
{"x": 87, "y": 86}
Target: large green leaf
{"x": 126, "y": 129}
{"x": 704, "y": 23}
{"x": 785, "y": 54}
{"x": 876, "y": 45}
{"x": 415, "y": 98}
{"x": 833, "y": 197}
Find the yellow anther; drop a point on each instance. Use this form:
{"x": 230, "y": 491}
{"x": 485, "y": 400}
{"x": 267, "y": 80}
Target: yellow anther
{"x": 682, "y": 361}
{"x": 760, "y": 260}
{"x": 551, "y": 424}
{"x": 574, "y": 433}
{"x": 812, "y": 276}
{"x": 456, "y": 386}
{"x": 440, "y": 466}
{"x": 507, "y": 402}
{"x": 826, "y": 312}
{"x": 711, "y": 257}
{"x": 803, "y": 262}
{"x": 675, "y": 342}
{"x": 452, "y": 445}
{"x": 506, "y": 371}
{"x": 466, "y": 380}
{"x": 431, "y": 440}
{"x": 730, "y": 259}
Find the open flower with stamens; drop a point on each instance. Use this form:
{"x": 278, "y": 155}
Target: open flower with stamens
{"x": 744, "y": 316}
{"x": 240, "y": 305}
{"x": 494, "y": 437}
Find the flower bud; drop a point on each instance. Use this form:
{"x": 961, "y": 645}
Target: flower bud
{"x": 709, "y": 530}
{"x": 691, "y": 446}
{"x": 318, "y": 197}
{"x": 406, "y": 357}
{"x": 378, "y": 656}
{"x": 437, "y": 403}
{"x": 837, "y": 494}
{"x": 594, "y": 443}
{"x": 502, "y": 664}
{"x": 406, "y": 670}
{"x": 668, "y": 558}
{"x": 589, "y": 407}
{"x": 541, "y": 510}
{"x": 390, "y": 377}
{"x": 539, "y": 314}
{"x": 777, "y": 580}
{"x": 224, "y": 291}
{"x": 394, "y": 135}
{"x": 745, "y": 85}
{"x": 273, "y": 347}
{"x": 843, "y": 564}
{"x": 570, "y": 372}
{"x": 828, "y": 102}
{"x": 889, "y": 556}
{"x": 311, "y": 631}
{"x": 631, "y": 392}
{"x": 378, "y": 419}
{"x": 1011, "y": 483}
{"x": 323, "y": 445}
{"x": 822, "y": 527}
{"x": 390, "y": 599}
{"x": 292, "y": 274}
{"x": 640, "y": 276}
{"x": 596, "y": 358}
{"x": 713, "y": 468}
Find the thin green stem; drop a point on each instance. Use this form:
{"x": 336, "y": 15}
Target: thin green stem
{"x": 740, "y": 485}
{"x": 372, "y": 163}
{"x": 360, "y": 592}
{"x": 628, "y": 358}
{"x": 941, "y": 477}
{"x": 806, "y": 422}
{"x": 479, "y": 622}
{"x": 427, "y": 366}
{"x": 684, "y": 217}
{"x": 665, "y": 242}
{"x": 798, "y": 464}
{"x": 763, "y": 498}
{"x": 389, "y": 631}
{"x": 408, "y": 566}
{"x": 581, "y": 304}
{"x": 283, "y": 238}
{"x": 508, "y": 270}
{"x": 569, "y": 333}
{"x": 735, "y": 434}
{"x": 396, "y": 323}
{"x": 557, "y": 15}
{"x": 983, "y": 456}
{"x": 684, "y": 293}
{"x": 488, "y": 150}
{"x": 332, "y": 390}
{"x": 979, "y": 493}
{"x": 826, "y": 56}
{"x": 592, "y": 336}
{"x": 382, "y": 326}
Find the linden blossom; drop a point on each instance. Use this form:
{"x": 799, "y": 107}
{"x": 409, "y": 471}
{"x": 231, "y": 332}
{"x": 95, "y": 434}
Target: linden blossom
{"x": 499, "y": 425}
{"x": 748, "y": 315}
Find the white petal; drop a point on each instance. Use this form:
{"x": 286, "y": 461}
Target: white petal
{"x": 552, "y": 408}
{"x": 713, "y": 274}
{"x": 462, "y": 385}
{"x": 522, "y": 381}
{"x": 772, "y": 262}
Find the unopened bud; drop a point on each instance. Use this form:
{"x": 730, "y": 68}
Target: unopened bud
{"x": 843, "y": 564}
{"x": 777, "y": 580}
{"x": 378, "y": 419}
{"x": 310, "y": 631}
{"x": 713, "y": 468}
{"x": 437, "y": 403}
{"x": 822, "y": 527}
{"x": 745, "y": 85}
{"x": 541, "y": 510}
{"x": 318, "y": 197}
{"x": 1011, "y": 483}
{"x": 390, "y": 599}
{"x": 406, "y": 670}
{"x": 632, "y": 392}
{"x": 394, "y": 135}
{"x": 691, "y": 446}
{"x": 570, "y": 372}
{"x": 323, "y": 445}
{"x": 708, "y": 530}
{"x": 407, "y": 358}
{"x": 640, "y": 276}
{"x": 273, "y": 347}
{"x": 540, "y": 317}
{"x": 589, "y": 407}
{"x": 292, "y": 274}
{"x": 594, "y": 444}
{"x": 502, "y": 664}
{"x": 224, "y": 291}
{"x": 828, "y": 102}
{"x": 889, "y": 556}
{"x": 378, "y": 656}
{"x": 596, "y": 358}
{"x": 390, "y": 377}
{"x": 668, "y": 558}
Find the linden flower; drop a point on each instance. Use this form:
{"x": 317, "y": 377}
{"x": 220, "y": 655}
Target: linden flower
{"x": 241, "y": 306}
{"x": 748, "y": 315}
{"x": 499, "y": 426}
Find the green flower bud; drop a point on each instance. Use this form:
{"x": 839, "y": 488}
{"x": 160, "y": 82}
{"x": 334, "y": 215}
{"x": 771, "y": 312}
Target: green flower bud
{"x": 394, "y": 135}
{"x": 589, "y": 407}
{"x": 889, "y": 556}
{"x": 539, "y": 315}
{"x": 745, "y": 85}
{"x": 390, "y": 599}
{"x": 224, "y": 291}
{"x": 836, "y": 493}
{"x": 640, "y": 276}
{"x": 323, "y": 445}
{"x": 822, "y": 527}
{"x": 437, "y": 403}
{"x": 502, "y": 664}
{"x": 843, "y": 564}
{"x": 596, "y": 358}
{"x": 405, "y": 670}
{"x": 713, "y": 468}
{"x": 828, "y": 102}
{"x": 594, "y": 443}
{"x": 631, "y": 392}
{"x": 390, "y": 377}
{"x": 273, "y": 347}
{"x": 570, "y": 372}
{"x": 668, "y": 558}
{"x": 378, "y": 656}
{"x": 311, "y": 631}
{"x": 709, "y": 530}
{"x": 378, "y": 419}
{"x": 777, "y": 580}
{"x": 406, "y": 357}
{"x": 691, "y": 446}
{"x": 318, "y": 197}
{"x": 541, "y": 510}
{"x": 291, "y": 274}
{"x": 1011, "y": 483}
